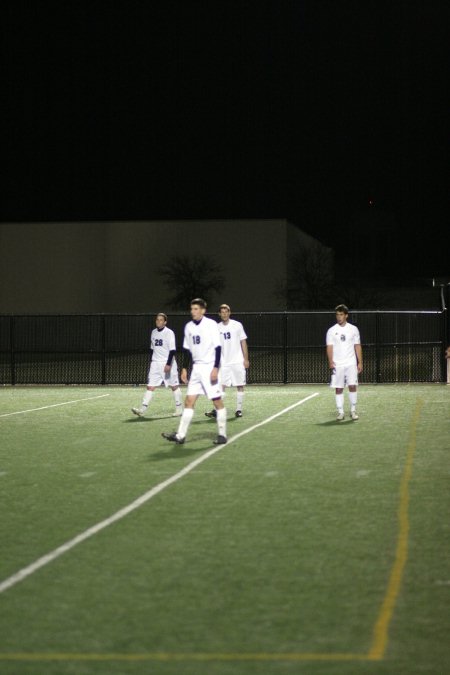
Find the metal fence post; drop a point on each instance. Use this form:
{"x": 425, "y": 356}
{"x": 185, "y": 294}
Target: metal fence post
{"x": 12, "y": 356}
{"x": 446, "y": 331}
{"x": 285, "y": 348}
{"x": 103, "y": 350}
{"x": 377, "y": 348}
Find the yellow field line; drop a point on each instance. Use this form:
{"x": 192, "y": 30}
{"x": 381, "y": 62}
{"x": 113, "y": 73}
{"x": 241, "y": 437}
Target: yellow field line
{"x": 381, "y": 629}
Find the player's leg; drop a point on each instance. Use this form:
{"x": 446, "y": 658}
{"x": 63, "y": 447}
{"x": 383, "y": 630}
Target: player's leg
{"x": 187, "y": 415}
{"x": 173, "y": 382}
{"x": 339, "y": 394}
{"x": 239, "y": 401}
{"x": 185, "y": 420}
{"x": 353, "y": 398}
{"x": 215, "y": 394}
{"x": 195, "y": 388}
{"x": 225, "y": 379}
{"x": 338, "y": 380}
{"x": 238, "y": 380}
{"x": 154, "y": 379}
{"x": 352, "y": 381}
{"x": 212, "y": 414}
{"x": 221, "y": 417}
{"x": 140, "y": 412}
{"x": 178, "y": 401}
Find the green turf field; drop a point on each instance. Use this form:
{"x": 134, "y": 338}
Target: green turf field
{"x": 303, "y": 546}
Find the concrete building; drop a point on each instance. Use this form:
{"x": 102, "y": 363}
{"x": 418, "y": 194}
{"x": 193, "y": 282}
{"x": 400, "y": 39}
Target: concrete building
{"x": 90, "y": 267}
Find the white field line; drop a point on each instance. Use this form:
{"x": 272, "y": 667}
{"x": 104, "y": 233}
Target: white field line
{"x": 49, "y": 557}
{"x": 54, "y": 405}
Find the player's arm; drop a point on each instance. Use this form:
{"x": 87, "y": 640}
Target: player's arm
{"x": 171, "y": 350}
{"x": 186, "y": 362}
{"x": 244, "y": 348}
{"x": 215, "y": 370}
{"x": 330, "y": 356}
{"x": 170, "y": 359}
{"x": 358, "y": 351}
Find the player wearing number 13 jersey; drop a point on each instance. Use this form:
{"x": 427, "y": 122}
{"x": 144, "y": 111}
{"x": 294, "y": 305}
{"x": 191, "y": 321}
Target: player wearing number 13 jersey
{"x": 202, "y": 343}
{"x": 234, "y": 362}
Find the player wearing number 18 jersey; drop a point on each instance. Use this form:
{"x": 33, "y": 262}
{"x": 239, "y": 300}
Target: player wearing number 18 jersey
{"x": 202, "y": 342}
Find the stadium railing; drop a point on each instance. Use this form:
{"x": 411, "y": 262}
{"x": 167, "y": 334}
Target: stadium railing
{"x": 285, "y": 347}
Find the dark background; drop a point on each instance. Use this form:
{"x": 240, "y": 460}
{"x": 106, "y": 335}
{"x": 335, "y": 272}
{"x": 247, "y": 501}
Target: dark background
{"x": 332, "y": 113}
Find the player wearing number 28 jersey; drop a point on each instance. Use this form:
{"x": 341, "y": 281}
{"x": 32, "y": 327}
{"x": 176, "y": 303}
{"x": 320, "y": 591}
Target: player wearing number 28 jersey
{"x": 163, "y": 366}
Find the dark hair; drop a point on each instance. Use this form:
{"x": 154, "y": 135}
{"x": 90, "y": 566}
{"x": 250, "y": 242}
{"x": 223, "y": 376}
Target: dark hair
{"x": 163, "y": 315}
{"x": 199, "y": 301}
{"x": 341, "y": 308}
{"x": 224, "y": 306}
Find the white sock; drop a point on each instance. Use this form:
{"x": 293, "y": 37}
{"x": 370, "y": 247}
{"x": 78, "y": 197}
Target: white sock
{"x": 353, "y": 397}
{"x": 340, "y": 402}
{"x": 147, "y": 398}
{"x": 178, "y": 399}
{"x": 239, "y": 400}
{"x": 222, "y": 422}
{"x": 185, "y": 421}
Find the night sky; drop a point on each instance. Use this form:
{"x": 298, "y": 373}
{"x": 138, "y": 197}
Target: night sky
{"x": 331, "y": 113}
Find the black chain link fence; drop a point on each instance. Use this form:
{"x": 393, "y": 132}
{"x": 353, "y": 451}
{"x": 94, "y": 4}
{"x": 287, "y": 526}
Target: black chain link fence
{"x": 284, "y": 347}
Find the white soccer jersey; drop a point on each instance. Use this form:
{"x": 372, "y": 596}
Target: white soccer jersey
{"x": 343, "y": 340}
{"x": 201, "y": 339}
{"x": 162, "y": 342}
{"x": 231, "y": 335}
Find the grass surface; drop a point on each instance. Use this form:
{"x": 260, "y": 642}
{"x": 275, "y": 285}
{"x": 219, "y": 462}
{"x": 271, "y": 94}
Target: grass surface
{"x": 303, "y": 546}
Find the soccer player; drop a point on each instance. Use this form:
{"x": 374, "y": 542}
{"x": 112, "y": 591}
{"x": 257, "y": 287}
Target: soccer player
{"x": 202, "y": 344}
{"x": 163, "y": 366}
{"x": 234, "y": 361}
{"x": 344, "y": 354}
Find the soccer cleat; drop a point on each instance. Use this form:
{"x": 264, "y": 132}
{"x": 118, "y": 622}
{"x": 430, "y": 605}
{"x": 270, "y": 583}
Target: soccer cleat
{"x": 354, "y": 415}
{"x": 211, "y": 413}
{"x": 238, "y": 413}
{"x": 220, "y": 440}
{"x": 177, "y": 413}
{"x": 340, "y": 416}
{"x": 140, "y": 412}
{"x": 173, "y": 437}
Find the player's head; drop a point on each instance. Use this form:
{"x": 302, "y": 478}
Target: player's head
{"x": 224, "y": 312}
{"x": 198, "y": 308}
{"x": 200, "y": 302}
{"x": 160, "y": 320}
{"x": 341, "y": 314}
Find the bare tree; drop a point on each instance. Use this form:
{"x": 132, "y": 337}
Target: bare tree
{"x": 309, "y": 282}
{"x": 189, "y": 277}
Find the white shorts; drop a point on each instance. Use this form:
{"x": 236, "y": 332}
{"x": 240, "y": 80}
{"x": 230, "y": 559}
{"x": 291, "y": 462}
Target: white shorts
{"x": 200, "y": 382}
{"x": 342, "y": 376}
{"x": 233, "y": 375}
{"x": 157, "y": 376}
